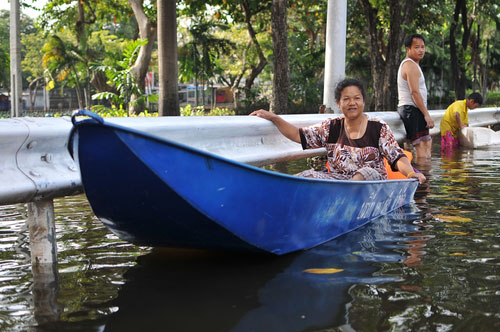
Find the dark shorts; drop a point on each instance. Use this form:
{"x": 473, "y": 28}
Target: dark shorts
{"x": 415, "y": 124}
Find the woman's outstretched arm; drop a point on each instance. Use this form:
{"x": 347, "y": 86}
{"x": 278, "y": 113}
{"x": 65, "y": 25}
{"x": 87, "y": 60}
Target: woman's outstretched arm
{"x": 287, "y": 129}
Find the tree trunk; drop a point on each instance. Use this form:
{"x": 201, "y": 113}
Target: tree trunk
{"x": 457, "y": 54}
{"x": 33, "y": 87}
{"x": 235, "y": 85}
{"x": 235, "y": 90}
{"x": 253, "y": 38}
{"x": 167, "y": 58}
{"x": 484, "y": 73}
{"x": 81, "y": 37}
{"x": 147, "y": 30}
{"x": 100, "y": 82}
{"x": 281, "y": 76}
{"x": 385, "y": 50}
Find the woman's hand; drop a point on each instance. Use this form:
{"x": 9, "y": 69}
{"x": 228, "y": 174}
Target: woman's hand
{"x": 405, "y": 168}
{"x": 290, "y": 131}
{"x": 419, "y": 176}
{"x": 264, "y": 114}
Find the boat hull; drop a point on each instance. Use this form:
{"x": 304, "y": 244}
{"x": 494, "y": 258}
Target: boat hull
{"x": 156, "y": 192}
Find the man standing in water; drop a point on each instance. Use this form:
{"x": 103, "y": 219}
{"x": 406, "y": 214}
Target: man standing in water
{"x": 412, "y": 98}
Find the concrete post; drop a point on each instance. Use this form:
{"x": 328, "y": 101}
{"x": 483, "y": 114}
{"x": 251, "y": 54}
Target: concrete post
{"x": 42, "y": 232}
{"x": 43, "y": 246}
{"x": 15, "y": 60}
{"x": 335, "y": 50}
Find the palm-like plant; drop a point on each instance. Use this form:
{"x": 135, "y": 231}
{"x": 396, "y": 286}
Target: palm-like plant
{"x": 61, "y": 60}
{"x": 120, "y": 76}
{"x": 198, "y": 56}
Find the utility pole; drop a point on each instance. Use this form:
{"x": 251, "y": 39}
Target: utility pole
{"x": 336, "y": 22}
{"x": 15, "y": 60}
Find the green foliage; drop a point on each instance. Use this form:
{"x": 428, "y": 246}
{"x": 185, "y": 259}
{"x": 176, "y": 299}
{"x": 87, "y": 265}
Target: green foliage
{"x": 249, "y": 17}
{"x": 26, "y": 28}
{"x": 61, "y": 59}
{"x": 120, "y": 76}
{"x": 32, "y": 45}
{"x": 492, "y": 99}
{"x": 198, "y": 57}
{"x": 119, "y": 112}
{"x": 214, "y": 45}
{"x": 200, "y": 111}
{"x": 185, "y": 111}
{"x": 307, "y": 20}
{"x": 4, "y": 49}
{"x": 63, "y": 14}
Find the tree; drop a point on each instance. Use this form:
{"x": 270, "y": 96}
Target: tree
{"x": 483, "y": 44}
{"x": 77, "y": 18}
{"x": 27, "y": 27}
{"x": 32, "y": 71}
{"x": 251, "y": 9}
{"x": 386, "y": 31}
{"x": 62, "y": 61}
{"x": 306, "y": 40}
{"x": 230, "y": 68}
{"x": 122, "y": 79}
{"x": 201, "y": 52}
{"x": 458, "y": 54}
{"x": 4, "y": 50}
{"x": 167, "y": 58}
{"x": 281, "y": 76}
{"x": 146, "y": 20}
{"x": 254, "y": 16}
{"x": 95, "y": 14}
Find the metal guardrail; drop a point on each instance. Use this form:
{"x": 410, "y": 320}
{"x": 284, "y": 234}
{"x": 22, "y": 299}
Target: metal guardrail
{"x": 35, "y": 164}
{"x": 34, "y": 161}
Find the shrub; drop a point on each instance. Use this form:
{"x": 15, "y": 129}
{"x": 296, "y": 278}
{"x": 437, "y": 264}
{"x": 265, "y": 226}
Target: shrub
{"x": 201, "y": 111}
{"x": 492, "y": 98}
{"x": 106, "y": 112}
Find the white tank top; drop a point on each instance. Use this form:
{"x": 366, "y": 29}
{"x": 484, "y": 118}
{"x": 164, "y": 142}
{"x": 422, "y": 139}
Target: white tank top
{"x": 404, "y": 95}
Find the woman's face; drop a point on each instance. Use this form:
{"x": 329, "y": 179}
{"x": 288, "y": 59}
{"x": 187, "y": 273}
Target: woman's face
{"x": 351, "y": 102}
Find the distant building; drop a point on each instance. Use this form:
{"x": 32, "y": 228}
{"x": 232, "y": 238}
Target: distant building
{"x": 187, "y": 95}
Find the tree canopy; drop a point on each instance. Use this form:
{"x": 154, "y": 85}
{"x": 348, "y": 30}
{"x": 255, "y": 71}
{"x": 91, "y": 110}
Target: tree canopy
{"x": 229, "y": 43}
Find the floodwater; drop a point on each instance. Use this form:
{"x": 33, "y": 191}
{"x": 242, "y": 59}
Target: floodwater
{"x": 433, "y": 265}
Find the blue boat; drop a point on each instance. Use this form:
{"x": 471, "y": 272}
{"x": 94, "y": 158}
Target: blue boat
{"x": 156, "y": 192}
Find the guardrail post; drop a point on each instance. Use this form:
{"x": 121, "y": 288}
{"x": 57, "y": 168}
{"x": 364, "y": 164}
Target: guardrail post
{"x": 42, "y": 232}
{"x": 41, "y": 224}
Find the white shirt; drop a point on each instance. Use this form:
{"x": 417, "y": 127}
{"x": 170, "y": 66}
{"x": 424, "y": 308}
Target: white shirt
{"x": 404, "y": 95}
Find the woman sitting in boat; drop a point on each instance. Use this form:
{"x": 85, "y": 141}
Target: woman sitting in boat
{"x": 356, "y": 144}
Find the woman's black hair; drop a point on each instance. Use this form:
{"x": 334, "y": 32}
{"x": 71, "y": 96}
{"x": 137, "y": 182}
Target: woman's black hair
{"x": 347, "y": 82}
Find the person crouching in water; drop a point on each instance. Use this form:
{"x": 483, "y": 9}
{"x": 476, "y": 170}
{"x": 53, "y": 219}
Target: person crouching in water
{"x": 356, "y": 144}
{"x": 455, "y": 118}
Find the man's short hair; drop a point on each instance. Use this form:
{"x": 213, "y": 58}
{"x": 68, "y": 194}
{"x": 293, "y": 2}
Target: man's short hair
{"x": 476, "y": 97}
{"x": 409, "y": 39}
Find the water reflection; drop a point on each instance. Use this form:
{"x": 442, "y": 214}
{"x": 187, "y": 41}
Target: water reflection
{"x": 45, "y": 292}
{"x": 168, "y": 288}
{"x": 447, "y": 281}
